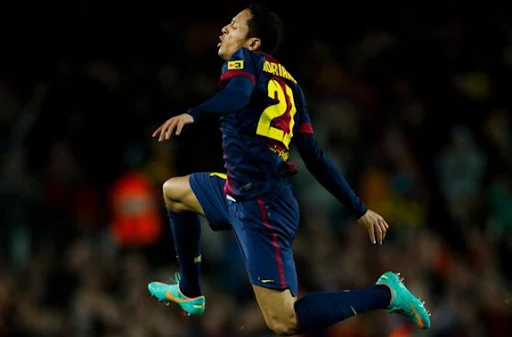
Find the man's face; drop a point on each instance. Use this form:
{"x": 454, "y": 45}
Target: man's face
{"x": 234, "y": 36}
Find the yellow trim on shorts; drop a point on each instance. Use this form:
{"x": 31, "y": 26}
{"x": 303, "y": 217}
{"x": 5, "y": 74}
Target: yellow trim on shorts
{"x": 220, "y": 175}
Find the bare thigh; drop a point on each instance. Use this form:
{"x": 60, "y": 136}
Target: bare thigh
{"x": 179, "y": 197}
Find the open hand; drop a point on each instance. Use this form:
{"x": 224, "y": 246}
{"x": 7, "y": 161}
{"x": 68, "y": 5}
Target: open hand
{"x": 172, "y": 126}
{"x": 376, "y": 226}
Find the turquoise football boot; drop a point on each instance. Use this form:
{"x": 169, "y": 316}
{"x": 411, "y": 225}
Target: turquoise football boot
{"x": 403, "y": 302}
{"x": 171, "y": 293}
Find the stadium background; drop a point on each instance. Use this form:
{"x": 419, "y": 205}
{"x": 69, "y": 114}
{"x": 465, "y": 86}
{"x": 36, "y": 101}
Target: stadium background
{"x": 412, "y": 102}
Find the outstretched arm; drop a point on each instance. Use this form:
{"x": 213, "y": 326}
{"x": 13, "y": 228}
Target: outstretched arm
{"x": 231, "y": 99}
{"x": 327, "y": 174}
{"x": 330, "y": 177}
{"x": 235, "y": 95}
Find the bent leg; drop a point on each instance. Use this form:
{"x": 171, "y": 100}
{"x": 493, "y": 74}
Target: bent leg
{"x": 186, "y": 197}
{"x": 183, "y": 209}
{"x": 179, "y": 196}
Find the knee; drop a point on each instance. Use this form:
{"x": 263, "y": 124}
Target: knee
{"x": 283, "y": 325}
{"x": 174, "y": 192}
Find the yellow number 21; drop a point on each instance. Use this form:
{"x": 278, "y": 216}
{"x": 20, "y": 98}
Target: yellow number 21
{"x": 285, "y": 105}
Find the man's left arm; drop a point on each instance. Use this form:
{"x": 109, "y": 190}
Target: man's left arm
{"x": 327, "y": 174}
{"x": 331, "y": 178}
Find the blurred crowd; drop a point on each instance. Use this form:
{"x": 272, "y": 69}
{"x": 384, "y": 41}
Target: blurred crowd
{"x": 413, "y": 106}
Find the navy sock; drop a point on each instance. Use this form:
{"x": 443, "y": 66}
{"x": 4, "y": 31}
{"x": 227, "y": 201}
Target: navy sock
{"x": 321, "y": 309}
{"x": 186, "y": 233}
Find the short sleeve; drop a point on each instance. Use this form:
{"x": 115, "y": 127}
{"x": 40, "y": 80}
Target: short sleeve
{"x": 240, "y": 64}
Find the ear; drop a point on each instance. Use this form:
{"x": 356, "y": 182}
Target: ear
{"x": 254, "y": 43}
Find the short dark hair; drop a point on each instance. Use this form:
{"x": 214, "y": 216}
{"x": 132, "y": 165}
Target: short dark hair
{"x": 267, "y": 26}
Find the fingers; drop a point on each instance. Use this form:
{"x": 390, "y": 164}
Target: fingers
{"x": 376, "y": 225}
{"x": 179, "y": 127}
{"x": 163, "y": 131}
{"x": 379, "y": 233}
{"x": 166, "y": 130}
{"x": 381, "y": 228}
{"x": 377, "y": 230}
{"x": 171, "y": 128}
{"x": 160, "y": 131}
{"x": 157, "y": 131}
{"x": 385, "y": 228}
{"x": 371, "y": 234}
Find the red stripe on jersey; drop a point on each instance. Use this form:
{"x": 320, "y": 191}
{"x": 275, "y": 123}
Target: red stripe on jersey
{"x": 306, "y": 128}
{"x": 233, "y": 73}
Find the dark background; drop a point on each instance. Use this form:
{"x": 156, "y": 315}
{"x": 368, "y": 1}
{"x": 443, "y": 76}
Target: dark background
{"x": 412, "y": 102}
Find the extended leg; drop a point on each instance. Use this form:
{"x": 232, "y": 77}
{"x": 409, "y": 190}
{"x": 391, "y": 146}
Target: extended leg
{"x": 265, "y": 230}
{"x": 286, "y": 316}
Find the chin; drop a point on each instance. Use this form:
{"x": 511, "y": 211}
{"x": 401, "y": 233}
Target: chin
{"x": 222, "y": 54}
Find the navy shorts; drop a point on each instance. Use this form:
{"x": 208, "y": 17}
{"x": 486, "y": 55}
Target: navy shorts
{"x": 264, "y": 228}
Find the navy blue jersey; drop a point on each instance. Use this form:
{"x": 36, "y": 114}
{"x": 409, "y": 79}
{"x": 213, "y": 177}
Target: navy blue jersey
{"x": 262, "y": 110}
{"x": 256, "y": 140}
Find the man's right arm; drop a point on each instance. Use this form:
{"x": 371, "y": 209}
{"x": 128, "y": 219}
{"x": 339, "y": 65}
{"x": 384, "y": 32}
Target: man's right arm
{"x": 238, "y": 80}
{"x": 235, "y": 95}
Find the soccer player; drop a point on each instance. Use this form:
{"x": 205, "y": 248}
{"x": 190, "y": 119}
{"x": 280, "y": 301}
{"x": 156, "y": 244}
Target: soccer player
{"x": 262, "y": 111}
